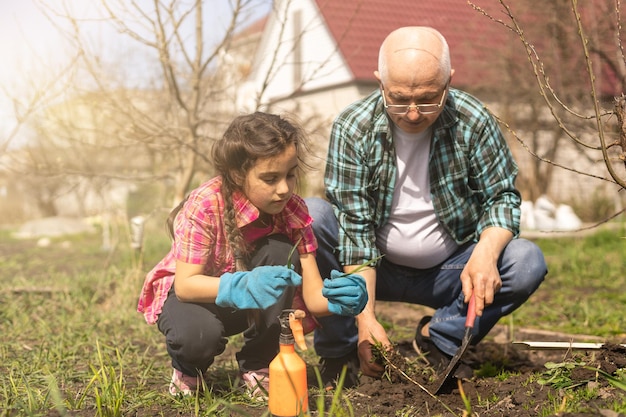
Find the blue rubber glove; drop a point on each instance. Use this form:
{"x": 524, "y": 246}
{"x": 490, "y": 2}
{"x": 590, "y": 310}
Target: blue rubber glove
{"x": 346, "y": 293}
{"x": 259, "y": 288}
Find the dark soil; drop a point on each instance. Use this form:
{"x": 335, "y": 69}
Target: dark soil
{"x": 506, "y": 382}
{"x": 503, "y": 385}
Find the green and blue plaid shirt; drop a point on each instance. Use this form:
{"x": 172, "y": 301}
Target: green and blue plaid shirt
{"x": 472, "y": 173}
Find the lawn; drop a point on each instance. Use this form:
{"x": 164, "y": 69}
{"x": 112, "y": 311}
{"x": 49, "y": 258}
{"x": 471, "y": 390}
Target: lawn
{"x": 73, "y": 344}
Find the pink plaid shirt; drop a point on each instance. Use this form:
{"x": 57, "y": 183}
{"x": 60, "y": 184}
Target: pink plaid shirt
{"x": 199, "y": 238}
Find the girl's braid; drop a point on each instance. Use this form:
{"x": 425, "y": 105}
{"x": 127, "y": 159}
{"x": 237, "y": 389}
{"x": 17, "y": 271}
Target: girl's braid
{"x": 235, "y": 238}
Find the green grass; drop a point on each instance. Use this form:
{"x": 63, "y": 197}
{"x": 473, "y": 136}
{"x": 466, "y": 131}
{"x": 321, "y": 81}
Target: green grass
{"x": 73, "y": 343}
{"x": 584, "y": 289}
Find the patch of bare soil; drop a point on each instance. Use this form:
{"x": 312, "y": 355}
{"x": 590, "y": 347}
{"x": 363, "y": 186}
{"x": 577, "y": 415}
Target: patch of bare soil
{"x": 410, "y": 388}
{"x": 505, "y": 382}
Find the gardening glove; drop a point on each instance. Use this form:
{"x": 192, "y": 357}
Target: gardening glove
{"x": 256, "y": 289}
{"x": 346, "y": 293}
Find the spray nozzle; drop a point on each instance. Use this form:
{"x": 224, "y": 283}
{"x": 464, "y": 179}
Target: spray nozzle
{"x": 291, "y": 328}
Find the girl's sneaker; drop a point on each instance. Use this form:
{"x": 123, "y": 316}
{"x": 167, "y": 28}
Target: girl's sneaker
{"x": 184, "y": 384}
{"x": 257, "y": 383}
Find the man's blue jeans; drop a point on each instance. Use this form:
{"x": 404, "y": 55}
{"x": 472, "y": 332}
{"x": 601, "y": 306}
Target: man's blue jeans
{"x": 522, "y": 268}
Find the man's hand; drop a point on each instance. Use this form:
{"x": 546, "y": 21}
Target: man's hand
{"x": 371, "y": 332}
{"x": 481, "y": 272}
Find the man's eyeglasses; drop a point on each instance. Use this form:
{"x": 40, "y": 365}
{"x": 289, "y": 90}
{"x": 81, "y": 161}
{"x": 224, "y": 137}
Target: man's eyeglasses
{"x": 405, "y": 108}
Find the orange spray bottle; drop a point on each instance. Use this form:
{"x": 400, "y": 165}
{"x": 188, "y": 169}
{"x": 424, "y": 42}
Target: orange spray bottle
{"x": 288, "y": 391}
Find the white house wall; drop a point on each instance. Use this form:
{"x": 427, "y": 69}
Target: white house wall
{"x": 320, "y": 63}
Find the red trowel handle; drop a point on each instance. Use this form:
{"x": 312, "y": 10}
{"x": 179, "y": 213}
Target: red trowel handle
{"x": 471, "y": 311}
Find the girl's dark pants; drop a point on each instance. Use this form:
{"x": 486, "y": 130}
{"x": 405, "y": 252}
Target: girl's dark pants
{"x": 195, "y": 333}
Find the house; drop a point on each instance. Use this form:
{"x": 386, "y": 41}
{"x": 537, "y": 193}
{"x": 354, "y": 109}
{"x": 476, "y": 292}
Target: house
{"x": 327, "y": 51}
{"x": 324, "y": 56}
{"x": 314, "y": 57}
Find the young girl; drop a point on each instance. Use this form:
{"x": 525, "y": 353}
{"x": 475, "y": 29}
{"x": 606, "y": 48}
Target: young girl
{"x": 227, "y": 271}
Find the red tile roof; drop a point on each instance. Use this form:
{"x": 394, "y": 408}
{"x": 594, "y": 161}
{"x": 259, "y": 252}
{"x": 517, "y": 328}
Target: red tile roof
{"x": 479, "y": 48}
{"x": 359, "y": 27}
{"x": 477, "y": 44}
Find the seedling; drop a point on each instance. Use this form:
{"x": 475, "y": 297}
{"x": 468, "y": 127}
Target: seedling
{"x": 466, "y": 401}
{"x": 617, "y": 381}
{"x": 380, "y": 353}
{"x": 340, "y": 405}
{"x": 363, "y": 266}
{"x": 558, "y": 374}
{"x": 291, "y": 252}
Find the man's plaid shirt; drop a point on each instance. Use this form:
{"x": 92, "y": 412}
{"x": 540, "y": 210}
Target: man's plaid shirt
{"x": 472, "y": 173}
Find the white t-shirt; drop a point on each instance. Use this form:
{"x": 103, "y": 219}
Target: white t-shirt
{"x": 412, "y": 235}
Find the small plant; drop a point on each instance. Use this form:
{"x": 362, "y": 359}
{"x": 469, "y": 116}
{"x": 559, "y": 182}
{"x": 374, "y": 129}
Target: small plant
{"x": 619, "y": 406}
{"x": 488, "y": 369}
{"x": 395, "y": 363}
{"x": 21, "y": 395}
{"x": 618, "y": 380}
{"x": 407, "y": 411}
{"x": 486, "y": 402}
{"x": 503, "y": 375}
{"x": 466, "y": 401}
{"x": 339, "y": 405}
{"x": 364, "y": 265}
{"x": 291, "y": 253}
{"x": 559, "y": 375}
{"x": 108, "y": 387}
{"x": 556, "y": 406}
{"x": 381, "y": 355}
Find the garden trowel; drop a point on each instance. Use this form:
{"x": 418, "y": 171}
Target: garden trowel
{"x": 467, "y": 338}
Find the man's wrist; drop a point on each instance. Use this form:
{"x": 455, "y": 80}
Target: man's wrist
{"x": 366, "y": 315}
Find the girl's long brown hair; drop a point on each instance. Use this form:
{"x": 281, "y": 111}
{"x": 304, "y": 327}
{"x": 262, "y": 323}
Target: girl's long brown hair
{"x": 249, "y": 138}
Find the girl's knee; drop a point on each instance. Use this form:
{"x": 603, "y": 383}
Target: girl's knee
{"x": 197, "y": 347}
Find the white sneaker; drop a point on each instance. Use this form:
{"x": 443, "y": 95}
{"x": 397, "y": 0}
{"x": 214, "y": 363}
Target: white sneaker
{"x": 184, "y": 384}
{"x": 257, "y": 383}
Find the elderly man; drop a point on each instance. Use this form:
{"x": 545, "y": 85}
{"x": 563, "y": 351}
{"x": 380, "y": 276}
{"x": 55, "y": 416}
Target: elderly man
{"x": 420, "y": 173}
